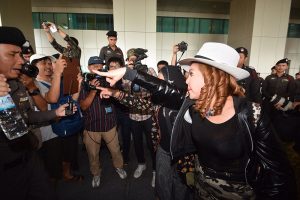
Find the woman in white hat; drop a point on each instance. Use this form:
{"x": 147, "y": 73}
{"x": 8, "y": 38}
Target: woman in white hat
{"x": 238, "y": 156}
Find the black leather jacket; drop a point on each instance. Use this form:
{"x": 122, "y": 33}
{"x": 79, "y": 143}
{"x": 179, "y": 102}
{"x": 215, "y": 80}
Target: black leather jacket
{"x": 275, "y": 179}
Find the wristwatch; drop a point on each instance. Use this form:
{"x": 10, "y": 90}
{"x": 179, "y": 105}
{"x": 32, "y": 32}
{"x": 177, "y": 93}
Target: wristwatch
{"x": 34, "y": 92}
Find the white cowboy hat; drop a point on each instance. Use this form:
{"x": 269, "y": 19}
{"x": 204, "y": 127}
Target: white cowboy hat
{"x": 220, "y": 56}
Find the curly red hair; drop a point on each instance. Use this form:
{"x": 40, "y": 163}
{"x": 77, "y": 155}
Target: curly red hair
{"x": 218, "y": 85}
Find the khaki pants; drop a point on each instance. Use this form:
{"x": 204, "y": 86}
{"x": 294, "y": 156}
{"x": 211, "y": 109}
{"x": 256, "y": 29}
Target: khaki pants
{"x": 92, "y": 141}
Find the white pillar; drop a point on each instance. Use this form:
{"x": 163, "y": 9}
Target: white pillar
{"x": 135, "y": 22}
{"x": 261, "y": 26}
{"x": 18, "y": 14}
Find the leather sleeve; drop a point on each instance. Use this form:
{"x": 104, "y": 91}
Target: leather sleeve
{"x": 275, "y": 179}
{"x": 36, "y": 117}
{"x": 162, "y": 92}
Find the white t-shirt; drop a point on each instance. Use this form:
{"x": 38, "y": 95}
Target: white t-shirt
{"x": 47, "y": 132}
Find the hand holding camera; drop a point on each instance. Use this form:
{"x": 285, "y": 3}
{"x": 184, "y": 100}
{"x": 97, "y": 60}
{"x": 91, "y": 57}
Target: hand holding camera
{"x": 66, "y": 109}
{"x": 175, "y": 49}
{"x": 69, "y": 110}
{"x": 27, "y": 81}
{"x": 59, "y": 66}
{"x": 182, "y": 46}
{"x": 49, "y": 26}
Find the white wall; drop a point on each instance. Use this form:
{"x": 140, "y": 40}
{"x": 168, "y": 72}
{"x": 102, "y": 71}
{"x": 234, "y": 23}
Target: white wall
{"x": 91, "y": 40}
{"x": 135, "y": 22}
{"x": 292, "y": 52}
{"x": 166, "y": 41}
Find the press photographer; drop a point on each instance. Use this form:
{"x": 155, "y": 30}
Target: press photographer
{"x": 89, "y": 79}
{"x": 99, "y": 123}
{"x": 29, "y": 70}
{"x": 141, "y": 122}
{"x": 135, "y": 56}
{"x": 182, "y": 47}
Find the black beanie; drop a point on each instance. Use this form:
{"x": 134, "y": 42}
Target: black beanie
{"x": 11, "y": 35}
{"x": 173, "y": 75}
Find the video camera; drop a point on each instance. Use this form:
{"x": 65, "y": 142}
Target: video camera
{"x": 29, "y": 70}
{"x": 140, "y": 54}
{"x": 182, "y": 46}
{"x": 87, "y": 77}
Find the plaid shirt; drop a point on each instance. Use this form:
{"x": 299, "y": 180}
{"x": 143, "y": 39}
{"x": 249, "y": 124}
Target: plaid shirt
{"x": 137, "y": 114}
{"x": 73, "y": 52}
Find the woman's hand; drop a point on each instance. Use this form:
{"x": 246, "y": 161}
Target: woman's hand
{"x": 112, "y": 76}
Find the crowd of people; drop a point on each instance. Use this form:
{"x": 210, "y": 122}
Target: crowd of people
{"x": 213, "y": 127}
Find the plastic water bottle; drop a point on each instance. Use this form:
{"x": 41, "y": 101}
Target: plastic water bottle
{"x": 11, "y": 121}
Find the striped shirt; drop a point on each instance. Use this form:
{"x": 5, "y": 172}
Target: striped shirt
{"x": 100, "y": 116}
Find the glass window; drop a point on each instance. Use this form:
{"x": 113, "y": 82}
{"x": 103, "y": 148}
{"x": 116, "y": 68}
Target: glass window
{"x": 77, "y": 21}
{"x": 61, "y": 19}
{"x": 294, "y": 31}
{"x": 104, "y": 22}
{"x": 46, "y": 17}
{"x": 181, "y": 24}
{"x": 168, "y": 24}
{"x": 80, "y": 21}
{"x": 91, "y": 21}
{"x": 36, "y": 20}
{"x": 226, "y": 25}
{"x": 193, "y": 25}
{"x": 158, "y": 24}
{"x": 217, "y": 26}
{"x": 205, "y": 26}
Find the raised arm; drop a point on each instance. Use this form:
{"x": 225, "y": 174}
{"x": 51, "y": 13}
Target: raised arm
{"x": 164, "y": 93}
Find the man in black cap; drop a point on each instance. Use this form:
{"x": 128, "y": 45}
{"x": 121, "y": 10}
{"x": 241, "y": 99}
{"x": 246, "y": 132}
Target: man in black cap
{"x": 27, "y": 51}
{"x": 278, "y": 91}
{"x": 111, "y": 50}
{"x": 21, "y": 172}
{"x": 251, "y": 84}
{"x": 297, "y": 81}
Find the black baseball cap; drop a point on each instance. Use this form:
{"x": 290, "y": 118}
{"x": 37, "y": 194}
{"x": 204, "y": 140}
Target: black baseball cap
{"x": 95, "y": 60}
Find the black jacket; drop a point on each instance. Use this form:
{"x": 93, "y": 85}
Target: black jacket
{"x": 265, "y": 154}
{"x": 251, "y": 84}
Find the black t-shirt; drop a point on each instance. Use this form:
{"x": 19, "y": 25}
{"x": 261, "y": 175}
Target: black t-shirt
{"x": 220, "y": 146}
